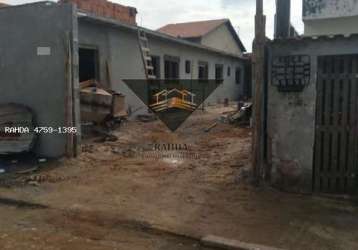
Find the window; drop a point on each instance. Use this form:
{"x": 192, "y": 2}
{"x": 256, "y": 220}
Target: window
{"x": 228, "y": 71}
{"x": 187, "y": 67}
{"x": 88, "y": 64}
{"x": 219, "y": 72}
{"x": 156, "y": 66}
{"x": 238, "y": 76}
{"x": 203, "y": 71}
{"x": 171, "y": 67}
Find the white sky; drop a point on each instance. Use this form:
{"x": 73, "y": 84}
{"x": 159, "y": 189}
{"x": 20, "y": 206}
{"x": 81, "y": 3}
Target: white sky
{"x": 156, "y": 13}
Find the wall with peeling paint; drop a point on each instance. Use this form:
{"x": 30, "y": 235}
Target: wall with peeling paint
{"x": 336, "y": 26}
{"x": 319, "y": 9}
{"x": 291, "y": 115}
{"x": 328, "y": 17}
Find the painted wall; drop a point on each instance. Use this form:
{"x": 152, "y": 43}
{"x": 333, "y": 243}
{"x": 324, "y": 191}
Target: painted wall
{"x": 326, "y": 17}
{"x": 321, "y": 9}
{"x": 291, "y": 116}
{"x": 221, "y": 39}
{"x": 30, "y": 78}
{"x": 120, "y": 48}
{"x": 335, "y": 26}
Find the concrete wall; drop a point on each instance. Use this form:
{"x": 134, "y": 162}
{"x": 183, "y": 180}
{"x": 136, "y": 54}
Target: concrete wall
{"x": 334, "y": 26}
{"x": 323, "y": 9}
{"x": 120, "y": 47}
{"x": 222, "y": 39}
{"x": 35, "y": 76}
{"x": 291, "y": 116}
{"x": 325, "y": 17}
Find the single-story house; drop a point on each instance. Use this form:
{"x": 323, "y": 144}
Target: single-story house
{"x": 47, "y": 48}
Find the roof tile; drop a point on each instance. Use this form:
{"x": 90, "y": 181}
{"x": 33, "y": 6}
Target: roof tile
{"x": 192, "y": 29}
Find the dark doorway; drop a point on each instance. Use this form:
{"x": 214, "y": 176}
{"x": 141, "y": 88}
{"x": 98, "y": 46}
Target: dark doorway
{"x": 336, "y": 144}
{"x": 203, "y": 71}
{"x": 156, "y": 66}
{"x": 219, "y": 72}
{"x": 171, "y": 67}
{"x": 88, "y": 64}
{"x": 238, "y": 74}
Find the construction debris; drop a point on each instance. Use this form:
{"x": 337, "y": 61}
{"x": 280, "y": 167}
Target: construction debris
{"x": 240, "y": 117}
{"x": 106, "y": 134}
{"x": 27, "y": 171}
{"x": 99, "y": 104}
{"x": 16, "y": 129}
{"x": 211, "y": 127}
{"x": 102, "y": 110}
{"x": 146, "y": 118}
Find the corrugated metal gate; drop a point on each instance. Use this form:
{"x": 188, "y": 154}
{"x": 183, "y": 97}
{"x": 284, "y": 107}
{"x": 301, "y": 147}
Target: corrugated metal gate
{"x": 336, "y": 144}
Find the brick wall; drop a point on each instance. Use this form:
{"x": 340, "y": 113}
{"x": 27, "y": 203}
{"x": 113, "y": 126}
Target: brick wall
{"x": 107, "y": 9}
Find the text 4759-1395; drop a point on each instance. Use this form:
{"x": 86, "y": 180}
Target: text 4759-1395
{"x": 41, "y": 130}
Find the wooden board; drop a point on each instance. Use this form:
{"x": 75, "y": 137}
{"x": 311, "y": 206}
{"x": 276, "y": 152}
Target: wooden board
{"x": 336, "y": 143}
{"x": 97, "y": 104}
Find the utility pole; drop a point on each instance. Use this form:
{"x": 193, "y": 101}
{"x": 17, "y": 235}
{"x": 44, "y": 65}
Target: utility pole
{"x": 258, "y": 80}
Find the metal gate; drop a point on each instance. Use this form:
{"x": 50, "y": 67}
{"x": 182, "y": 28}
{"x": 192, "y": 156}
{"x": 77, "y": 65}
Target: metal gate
{"x": 336, "y": 142}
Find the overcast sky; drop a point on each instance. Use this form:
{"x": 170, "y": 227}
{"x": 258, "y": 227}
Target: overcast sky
{"x": 156, "y": 13}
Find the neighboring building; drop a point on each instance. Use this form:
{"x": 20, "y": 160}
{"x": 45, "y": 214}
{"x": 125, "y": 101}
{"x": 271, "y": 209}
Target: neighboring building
{"x": 330, "y": 17}
{"x": 70, "y": 45}
{"x": 117, "y": 43}
{"x": 218, "y": 34}
{"x": 106, "y": 9}
{"x": 312, "y": 112}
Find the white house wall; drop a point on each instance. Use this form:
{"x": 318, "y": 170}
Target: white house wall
{"x": 222, "y": 39}
{"x": 120, "y": 48}
{"x": 330, "y": 17}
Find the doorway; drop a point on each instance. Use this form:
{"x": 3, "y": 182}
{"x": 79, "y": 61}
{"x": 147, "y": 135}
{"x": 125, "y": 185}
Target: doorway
{"x": 88, "y": 64}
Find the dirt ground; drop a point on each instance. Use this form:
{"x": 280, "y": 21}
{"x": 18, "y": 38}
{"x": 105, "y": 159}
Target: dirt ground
{"x": 118, "y": 195}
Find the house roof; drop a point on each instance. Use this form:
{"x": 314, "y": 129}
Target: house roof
{"x": 191, "y": 29}
{"x": 97, "y": 19}
{"x": 199, "y": 29}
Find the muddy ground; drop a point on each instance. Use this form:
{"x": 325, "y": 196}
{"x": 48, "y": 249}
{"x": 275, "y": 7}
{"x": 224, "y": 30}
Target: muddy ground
{"x": 122, "y": 195}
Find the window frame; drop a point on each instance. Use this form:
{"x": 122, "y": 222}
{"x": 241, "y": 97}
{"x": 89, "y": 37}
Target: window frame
{"x": 206, "y": 70}
{"x": 171, "y": 59}
{"x": 157, "y": 68}
{"x": 187, "y": 67}
{"x": 238, "y": 75}
{"x": 221, "y": 67}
